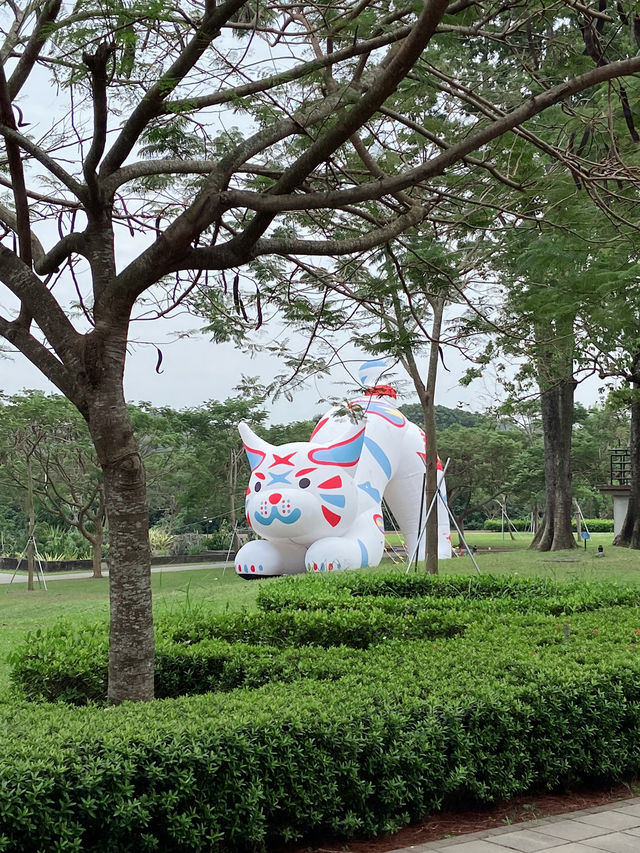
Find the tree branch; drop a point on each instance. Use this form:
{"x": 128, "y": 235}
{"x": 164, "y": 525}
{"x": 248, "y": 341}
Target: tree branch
{"x": 38, "y": 355}
{"x": 224, "y": 257}
{"x": 38, "y": 154}
{"x": 31, "y": 52}
{"x": 97, "y": 65}
{"x": 152, "y": 104}
{"x": 50, "y": 262}
{"x": 41, "y": 305}
{"x": 436, "y": 166}
{"x": 352, "y": 119}
{"x": 274, "y": 80}
{"x": 10, "y": 220}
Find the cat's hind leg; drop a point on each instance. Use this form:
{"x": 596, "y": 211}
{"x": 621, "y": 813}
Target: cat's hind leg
{"x": 345, "y": 552}
{"x": 265, "y": 559}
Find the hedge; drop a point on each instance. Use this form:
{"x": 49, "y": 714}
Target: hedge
{"x": 594, "y": 525}
{"x": 204, "y": 652}
{"x": 417, "y": 727}
{"x": 537, "y": 687}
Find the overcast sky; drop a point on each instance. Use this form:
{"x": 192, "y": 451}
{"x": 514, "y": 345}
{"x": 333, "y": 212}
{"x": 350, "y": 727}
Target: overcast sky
{"x": 194, "y": 370}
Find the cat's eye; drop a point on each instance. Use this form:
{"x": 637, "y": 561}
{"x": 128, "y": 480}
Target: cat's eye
{"x": 304, "y": 483}
{"x": 257, "y": 486}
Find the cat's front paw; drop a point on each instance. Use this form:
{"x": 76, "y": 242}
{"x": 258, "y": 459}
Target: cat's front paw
{"x": 266, "y": 559}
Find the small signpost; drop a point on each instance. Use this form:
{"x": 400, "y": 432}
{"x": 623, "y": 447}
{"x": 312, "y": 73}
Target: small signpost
{"x": 585, "y": 535}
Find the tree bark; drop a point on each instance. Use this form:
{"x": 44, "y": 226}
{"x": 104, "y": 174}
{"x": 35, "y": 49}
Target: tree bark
{"x": 555, "y": 534}
{"x": 629, "y": 535}
{"x": 233, "y": 483}
{"x": 32, "y": 526}
{"x": 96, "y": 550}
{"x": 131, "y": 639}
{"x": 426, "y": 394}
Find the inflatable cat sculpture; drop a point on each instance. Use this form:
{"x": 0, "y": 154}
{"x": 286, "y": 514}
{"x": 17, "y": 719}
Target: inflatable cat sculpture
{"x": 318, "y": 505}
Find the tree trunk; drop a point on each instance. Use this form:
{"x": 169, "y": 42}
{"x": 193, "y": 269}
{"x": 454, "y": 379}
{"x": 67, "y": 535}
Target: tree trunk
{"x": 32, "y": 526}
{"x": 629, "y": 535}
{"x": 426, "y": 394}
{"x": 96, "y": 549}
{"x": 131, "y": 640}
{"x": 233, "y": 483}
{"x": 555, "y": 534}
{"x": 429, "y": 412}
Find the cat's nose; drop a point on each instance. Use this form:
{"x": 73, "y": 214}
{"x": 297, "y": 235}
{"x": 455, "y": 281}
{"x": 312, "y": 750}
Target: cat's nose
{"x": 275, "y": 498}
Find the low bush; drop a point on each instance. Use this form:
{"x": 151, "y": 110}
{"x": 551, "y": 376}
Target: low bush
{"x": 216, "y": 652}
{"x": 349, "y": 706}
{"x": 408, "y": 729}
{"x": 593, "y": 525}
{"x": 344, "y": 590}
{"x": 199, "y": 652}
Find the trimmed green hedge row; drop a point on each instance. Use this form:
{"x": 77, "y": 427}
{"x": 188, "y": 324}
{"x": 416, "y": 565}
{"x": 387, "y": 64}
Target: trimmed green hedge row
{"x": 202, "y": 652}
{"x": 410, "y": 592}
{"x": 216, "y": 652}
{"x": 594, "y": 525}
{"x": 409, "y": 727}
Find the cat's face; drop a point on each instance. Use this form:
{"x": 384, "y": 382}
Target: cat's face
{"x": 301, "y": 491}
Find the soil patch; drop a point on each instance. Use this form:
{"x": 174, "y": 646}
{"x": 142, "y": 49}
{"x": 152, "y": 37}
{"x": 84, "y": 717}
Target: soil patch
{"x": 449, "y": 824}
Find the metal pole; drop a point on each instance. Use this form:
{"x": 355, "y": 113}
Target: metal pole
{"x": 462, "y": 539}
{"x": 424, "y": 486}
{"x": 423, "y": 528}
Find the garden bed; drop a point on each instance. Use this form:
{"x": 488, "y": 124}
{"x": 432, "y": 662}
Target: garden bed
{"x": 349, "y": 706}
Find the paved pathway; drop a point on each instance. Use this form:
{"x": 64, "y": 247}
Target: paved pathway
{"x": 614, "y": 828}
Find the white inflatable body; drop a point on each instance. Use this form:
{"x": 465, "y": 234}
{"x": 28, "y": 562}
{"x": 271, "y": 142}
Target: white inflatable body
{"x": 318, "y": 505}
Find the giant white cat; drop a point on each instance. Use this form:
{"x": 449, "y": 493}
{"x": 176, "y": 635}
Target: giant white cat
{"x": 318, "y": 505}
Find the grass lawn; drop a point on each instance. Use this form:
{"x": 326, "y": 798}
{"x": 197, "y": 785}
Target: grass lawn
{"x": 87, "y": 599}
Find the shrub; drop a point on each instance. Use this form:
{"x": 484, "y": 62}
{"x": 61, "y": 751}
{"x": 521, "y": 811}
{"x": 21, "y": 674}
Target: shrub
{"x": 392, "y": 741}
{"x": 198, "y": 651}
{"x": 453, "y": 690}
{"x": 594, "y": 525}
{"x": 160, "y": 540}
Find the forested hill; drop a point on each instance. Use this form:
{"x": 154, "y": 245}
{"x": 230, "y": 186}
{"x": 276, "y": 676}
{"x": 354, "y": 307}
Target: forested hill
{"x": 445, "y": 417}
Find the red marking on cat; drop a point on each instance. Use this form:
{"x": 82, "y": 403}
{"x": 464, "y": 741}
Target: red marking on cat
{"x": 304, "y": 471}
{"x": 331, "y": 517}
{"x": 275, "y": 498}
{"x": 333, "y": 483}
{"x": 319, "y": 426}
{"x": 282, "y": 460}
{"x": 260, "y": 475}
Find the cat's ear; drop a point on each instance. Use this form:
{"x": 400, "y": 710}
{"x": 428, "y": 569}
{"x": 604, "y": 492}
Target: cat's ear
{"x": 345, "y": 453}
{"x": 255, "y": 447}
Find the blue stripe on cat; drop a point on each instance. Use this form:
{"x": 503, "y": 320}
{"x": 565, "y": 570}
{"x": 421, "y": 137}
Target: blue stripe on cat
{"x": 379, "y": 455}
{"x": 370, "y": 490}
{"x": 334, "y": 500}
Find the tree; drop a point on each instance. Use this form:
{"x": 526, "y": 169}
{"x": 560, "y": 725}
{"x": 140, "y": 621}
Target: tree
{"x": 556, "y": 277}
{"x": 135, "y": 148}
{"x": 481, "y": 466}
{"x": 47, "y": 455}
{"x": 216, "y": 456}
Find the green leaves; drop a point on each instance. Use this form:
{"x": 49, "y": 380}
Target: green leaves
{"x": 312, "y": 731}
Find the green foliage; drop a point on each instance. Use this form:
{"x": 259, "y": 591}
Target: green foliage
{"x": 445, "y": 416}
{"x": 538, "y": 692}
{"x": 593, "y": 525}
{"x": 200, "y": 651}
{"x": 160, "y": 540}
